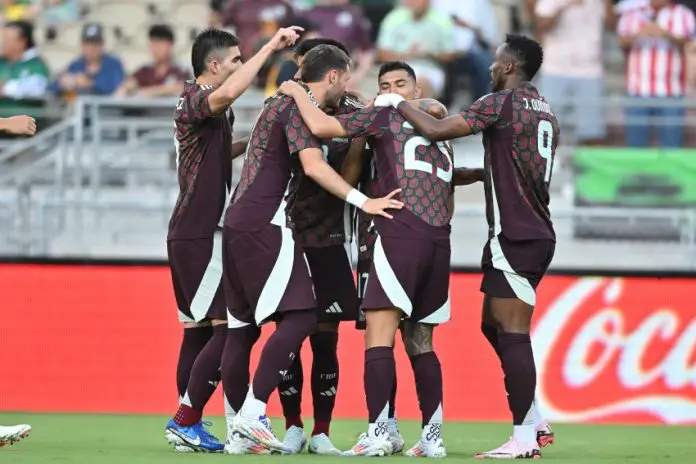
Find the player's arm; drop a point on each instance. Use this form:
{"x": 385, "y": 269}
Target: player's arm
{"x": 354, "y": 162}
{"x": 466, "y": 176}
{"x": 239, "y": 147}
{"x": 432, "y": 128}
{"x": 18, "y": 125}
{"x": 240, "y": 81}
{"x": 318, "y": 122}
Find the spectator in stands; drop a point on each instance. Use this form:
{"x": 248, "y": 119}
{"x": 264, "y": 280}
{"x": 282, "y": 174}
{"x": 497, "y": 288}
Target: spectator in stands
{"x": 375, "y": 12}
{"x": 339, "y": 20}
{"x": 283, "y": 66}
{"x": 475, "y": 39}
{"x": 655, "y": 39}
{"x": 95, "y": 72}
{"x": 572, "y": 76}
{"x": 23, "y": 74}
{"x": 421, "y": 36}
{"x": 57, "y": 11}
{"x": 254, "y": 21}
{"x": 17, "y": 10}
{"x": 162, "y": 77}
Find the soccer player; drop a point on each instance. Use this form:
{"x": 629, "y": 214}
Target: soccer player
{"x": 321, "y": 225}
{"x": 266, "y": 276}
{"x": 409, "y": 275}
{"x": 17, "y": 125}
{"x": 203, "y": 138}
{"x": 520, "y": 136}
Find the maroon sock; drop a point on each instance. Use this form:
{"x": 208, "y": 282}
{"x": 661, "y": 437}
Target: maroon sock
{"x": 392, "y": 400}
{"x": 205, "y": 374}
{"x": 428, "y": 375}
{"x": 281, "y": 348}
{"x": 324, "y": 379}
{"x": 235, "y": 363}
{"x": 187, "y": 416}
{"x": 192, "y": 343}
{"x": 520, "y": 373}
{"x": 290, "y": 393}
{"x": 379, "y": 376}
{"x": 491, "y": 334}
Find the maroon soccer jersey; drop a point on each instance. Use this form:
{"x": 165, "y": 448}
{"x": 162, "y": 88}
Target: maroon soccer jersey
{"x": 318, "y": 218}
{"x": 520, "y": 136}
{"x": 404, "y": 159}
{"x": 278, "y": 136}
{"x": 345, "y": 23}
{"x": 204, "y": 165}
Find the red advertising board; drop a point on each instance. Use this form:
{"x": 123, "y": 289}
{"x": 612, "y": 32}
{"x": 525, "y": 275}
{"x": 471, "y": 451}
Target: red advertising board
{"x": 105, "y": 339}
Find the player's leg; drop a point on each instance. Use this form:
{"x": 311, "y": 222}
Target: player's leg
{"x": 489, "y": 328}
{"x": 290, "y": 394}
{"x": 418, "y": 340}
{"x": 9, "y": 435}
{"x": 395, "y": 437}
{"x": 279, "y": 286}
{"x": 197, "y": 267}
{"x": 510, "y": 303}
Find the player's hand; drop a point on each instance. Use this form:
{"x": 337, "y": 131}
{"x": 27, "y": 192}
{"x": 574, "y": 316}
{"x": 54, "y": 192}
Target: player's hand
{"x": 377, "y": 206}
{"x": 285, "y": 37}
{"x": 20, "y": 125}
{"x": 290, "y": 88}
{"x": 388, "y": 99}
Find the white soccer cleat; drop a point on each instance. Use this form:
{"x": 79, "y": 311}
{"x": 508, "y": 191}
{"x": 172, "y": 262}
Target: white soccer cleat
{"x": 428, "y": 450}
{"x": 512, "y": 449}
{"x": 239, "y": 446}
{"x": 295, "y": 439}
{"x": 12, "y": 434}
{"x": 367, "y": 446}
{"x": 258, "y": 431}
{"x": 545, "y": 435}
{"x": 321, "y": 444}
{"x": 397, "y": 441}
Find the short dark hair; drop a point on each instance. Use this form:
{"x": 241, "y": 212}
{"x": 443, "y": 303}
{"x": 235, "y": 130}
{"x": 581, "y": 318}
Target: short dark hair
{"x": 304, "y": 23}
{"x": 161, "y": 32}
{"x": 208, "y": 43}
{"x": 390, "y": 66}
{"x": 322, "y": 59}
{"x": 528, "y": 53}
{"x": 305, "y": 46}
{"x": 26, "y": 32}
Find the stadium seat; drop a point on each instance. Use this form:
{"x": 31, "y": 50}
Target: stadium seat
{"x": 58, "y": 57}
{"x": 191, "y": 13}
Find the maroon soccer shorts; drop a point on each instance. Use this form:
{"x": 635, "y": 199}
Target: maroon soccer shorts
{"x": 412, "y": 275}
{"x": 513, "y": 269}
{"x": 265, "y": 272}
{"x": 363, "y": 271}
{"x": 334, "y": 286}
{"x": 196, "y": 267}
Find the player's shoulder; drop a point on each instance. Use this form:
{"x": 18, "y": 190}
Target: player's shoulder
{"x": 494, "y": 98}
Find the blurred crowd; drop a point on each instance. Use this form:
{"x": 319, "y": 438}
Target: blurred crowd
{"x": 450, "y": 44}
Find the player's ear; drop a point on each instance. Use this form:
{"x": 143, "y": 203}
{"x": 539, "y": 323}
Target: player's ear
{"x": 419, "y": 92}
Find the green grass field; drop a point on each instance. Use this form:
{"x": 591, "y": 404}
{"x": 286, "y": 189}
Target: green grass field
{"x": 139, "y": 439}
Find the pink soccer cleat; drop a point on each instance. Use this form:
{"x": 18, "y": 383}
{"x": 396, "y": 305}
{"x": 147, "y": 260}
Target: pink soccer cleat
{"x": 545, "y": 435}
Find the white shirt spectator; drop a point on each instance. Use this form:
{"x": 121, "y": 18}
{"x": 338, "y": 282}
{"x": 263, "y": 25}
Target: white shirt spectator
{"x": 574, "y": 46}
{"x": 478, "y": 14}
{"x": 656, "y": 67}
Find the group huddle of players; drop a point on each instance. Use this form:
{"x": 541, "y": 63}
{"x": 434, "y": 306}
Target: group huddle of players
{"x": 322, "y": 165}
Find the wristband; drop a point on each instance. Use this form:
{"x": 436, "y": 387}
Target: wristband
{"x": 356, "y": 198}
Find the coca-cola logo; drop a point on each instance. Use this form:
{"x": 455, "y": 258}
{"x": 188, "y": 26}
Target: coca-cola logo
{"x": 618, "y": 349}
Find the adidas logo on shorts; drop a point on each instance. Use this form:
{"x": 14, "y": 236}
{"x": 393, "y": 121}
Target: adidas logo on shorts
{"x": 334, "y": 309}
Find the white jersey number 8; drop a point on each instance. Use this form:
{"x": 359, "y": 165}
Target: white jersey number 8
{"x": 413, "y": 164}
{"x": 545, "y": 147}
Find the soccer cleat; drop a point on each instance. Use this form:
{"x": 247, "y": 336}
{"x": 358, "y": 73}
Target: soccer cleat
{"x": 258, "y": 431}
{"x": 321, "y": 444}
{"x": 9, "y": 435}
{"x": 428, "y": 450}
{"x": 396, "y": 440}
{"x": 512, "y": 449}
{"x": 367, "y": 446}
{"x": 195, "y": 437}
{"x": 238, "y": 445}
{"x": 545, "y": 435}
{"x": 295, "y": 439}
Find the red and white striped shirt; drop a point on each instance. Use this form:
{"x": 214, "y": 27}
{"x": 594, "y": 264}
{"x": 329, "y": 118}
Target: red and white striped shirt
{"x": 655, "y": 66}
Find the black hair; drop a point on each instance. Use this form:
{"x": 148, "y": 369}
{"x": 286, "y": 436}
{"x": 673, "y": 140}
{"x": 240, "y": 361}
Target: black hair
{"x": 208, "y": 43}
{"x": 305, "y": 46}
{"x": 304, "y": 23}
{"x": 322, "y": 59}
{"x": 390, "y": 66}
{"x": 26, "y": 32}
{"x": 528, "y": 53}
{"x": 161, "y": 32}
